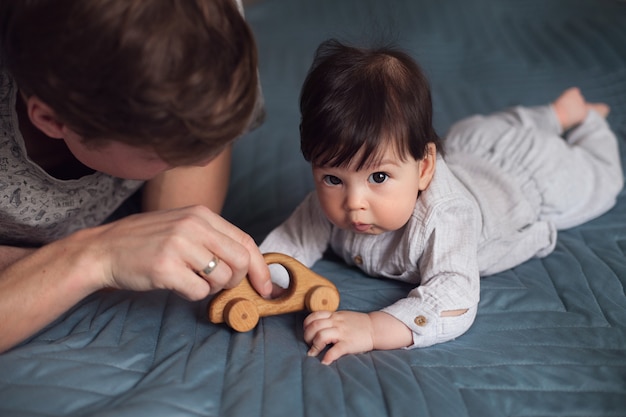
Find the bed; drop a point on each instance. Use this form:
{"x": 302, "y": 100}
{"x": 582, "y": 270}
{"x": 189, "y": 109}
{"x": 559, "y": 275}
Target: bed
{"x": 550, "y": 335}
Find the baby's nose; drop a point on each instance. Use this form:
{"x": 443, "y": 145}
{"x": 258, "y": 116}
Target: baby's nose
{"x": 355, "y": 200}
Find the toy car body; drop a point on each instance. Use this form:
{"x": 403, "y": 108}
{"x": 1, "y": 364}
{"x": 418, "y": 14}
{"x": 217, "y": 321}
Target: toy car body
{"x": 241, "y": 307}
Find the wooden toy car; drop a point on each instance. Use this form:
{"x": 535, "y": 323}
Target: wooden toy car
{"x": 241, "y": 307}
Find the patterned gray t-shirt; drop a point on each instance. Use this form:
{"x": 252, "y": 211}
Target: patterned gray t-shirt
{"x": 36, "y": 208}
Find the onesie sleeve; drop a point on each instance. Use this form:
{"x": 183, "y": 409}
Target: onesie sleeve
{"x": 449, "y": 273}
{"x": 304, "y": 236}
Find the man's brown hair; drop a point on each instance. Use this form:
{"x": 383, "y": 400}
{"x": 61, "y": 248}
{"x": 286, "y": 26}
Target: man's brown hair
{"x": 179, "y": 76}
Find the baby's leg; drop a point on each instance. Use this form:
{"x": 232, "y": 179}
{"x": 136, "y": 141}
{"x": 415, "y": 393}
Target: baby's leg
{"x": 571, "y": 108}
{"x": 568, "y": 110}
{"x": 588, "y": 174}
{"x": 578, "y": 178}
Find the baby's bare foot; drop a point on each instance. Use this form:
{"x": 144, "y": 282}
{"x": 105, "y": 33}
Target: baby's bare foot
{"x": 571, "y": 108}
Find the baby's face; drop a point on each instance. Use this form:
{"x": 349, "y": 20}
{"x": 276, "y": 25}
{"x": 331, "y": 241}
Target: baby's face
{"x": 372, "y": 200}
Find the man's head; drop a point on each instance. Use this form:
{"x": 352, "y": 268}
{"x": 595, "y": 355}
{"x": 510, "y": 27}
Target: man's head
{"x": 178, "y": 77}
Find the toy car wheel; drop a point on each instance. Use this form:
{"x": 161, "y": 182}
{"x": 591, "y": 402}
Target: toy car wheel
{"x": 241, "y": 314}
{"x": 322, "y": 298}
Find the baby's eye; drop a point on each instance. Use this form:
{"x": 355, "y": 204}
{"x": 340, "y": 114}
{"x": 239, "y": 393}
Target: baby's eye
{"x": 331, "y": 180}
{"x": 378, "y": 177}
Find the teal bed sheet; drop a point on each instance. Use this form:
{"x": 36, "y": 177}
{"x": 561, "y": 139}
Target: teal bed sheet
{"x": 550, "y": 336}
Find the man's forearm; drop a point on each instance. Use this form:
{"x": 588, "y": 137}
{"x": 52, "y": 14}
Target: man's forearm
{"x": 37, "y": 285}
{"x": 11, "y": 254}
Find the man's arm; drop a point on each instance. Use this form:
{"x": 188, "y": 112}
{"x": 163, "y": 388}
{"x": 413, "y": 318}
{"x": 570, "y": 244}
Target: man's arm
{"x": 186, "y": 186}
{"x": 37, "y": 287}
{"x": 157, "y": 250}
{"x": 10, "y": 254}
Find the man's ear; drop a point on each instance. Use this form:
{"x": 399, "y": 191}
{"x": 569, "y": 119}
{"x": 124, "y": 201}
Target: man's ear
{"x": 427, "y": 166}
{"x": 44, "y": 118}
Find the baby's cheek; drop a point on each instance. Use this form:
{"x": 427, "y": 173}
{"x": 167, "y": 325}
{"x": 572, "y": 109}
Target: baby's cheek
{"x": 395, "y": 216}
{"x": 335, "y": 214}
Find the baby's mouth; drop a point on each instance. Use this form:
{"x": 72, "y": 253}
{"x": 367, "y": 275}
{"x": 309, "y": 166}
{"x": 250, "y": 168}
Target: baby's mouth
{"x": 361, "y": 227}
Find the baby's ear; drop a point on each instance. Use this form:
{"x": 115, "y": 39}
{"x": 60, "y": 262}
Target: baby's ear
{"x": 427, "y": 166}
{"x": 44, "y": 118}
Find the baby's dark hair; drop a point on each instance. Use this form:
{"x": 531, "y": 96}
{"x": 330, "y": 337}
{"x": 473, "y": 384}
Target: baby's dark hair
{"x": 177, "y": 76}
{"x": 354, "y": 100}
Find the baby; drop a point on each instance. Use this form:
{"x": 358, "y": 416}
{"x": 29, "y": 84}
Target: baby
{"x": 392, "y": 201}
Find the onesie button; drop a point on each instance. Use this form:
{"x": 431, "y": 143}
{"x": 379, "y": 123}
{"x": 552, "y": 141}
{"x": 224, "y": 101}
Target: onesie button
{"x": 358, "y": 260}
{"x": 420, "y": 321}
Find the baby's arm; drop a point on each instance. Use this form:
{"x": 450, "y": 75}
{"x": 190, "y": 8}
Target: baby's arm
{"x": 303, "y": 236}
{"x": 353, "y": 332}
{"x": 442, "y": 308}
{"x": 444, "y": 305}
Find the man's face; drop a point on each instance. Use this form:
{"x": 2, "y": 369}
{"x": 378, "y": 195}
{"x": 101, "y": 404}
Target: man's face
{"x": 117, "y": 159}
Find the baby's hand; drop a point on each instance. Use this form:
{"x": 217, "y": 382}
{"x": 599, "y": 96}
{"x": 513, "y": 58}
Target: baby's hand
{"x": 352, "y": 332}
{"x": 348, "y": 331}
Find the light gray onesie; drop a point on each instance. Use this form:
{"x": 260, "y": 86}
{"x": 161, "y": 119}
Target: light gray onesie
{"x": 508, "y": 182}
